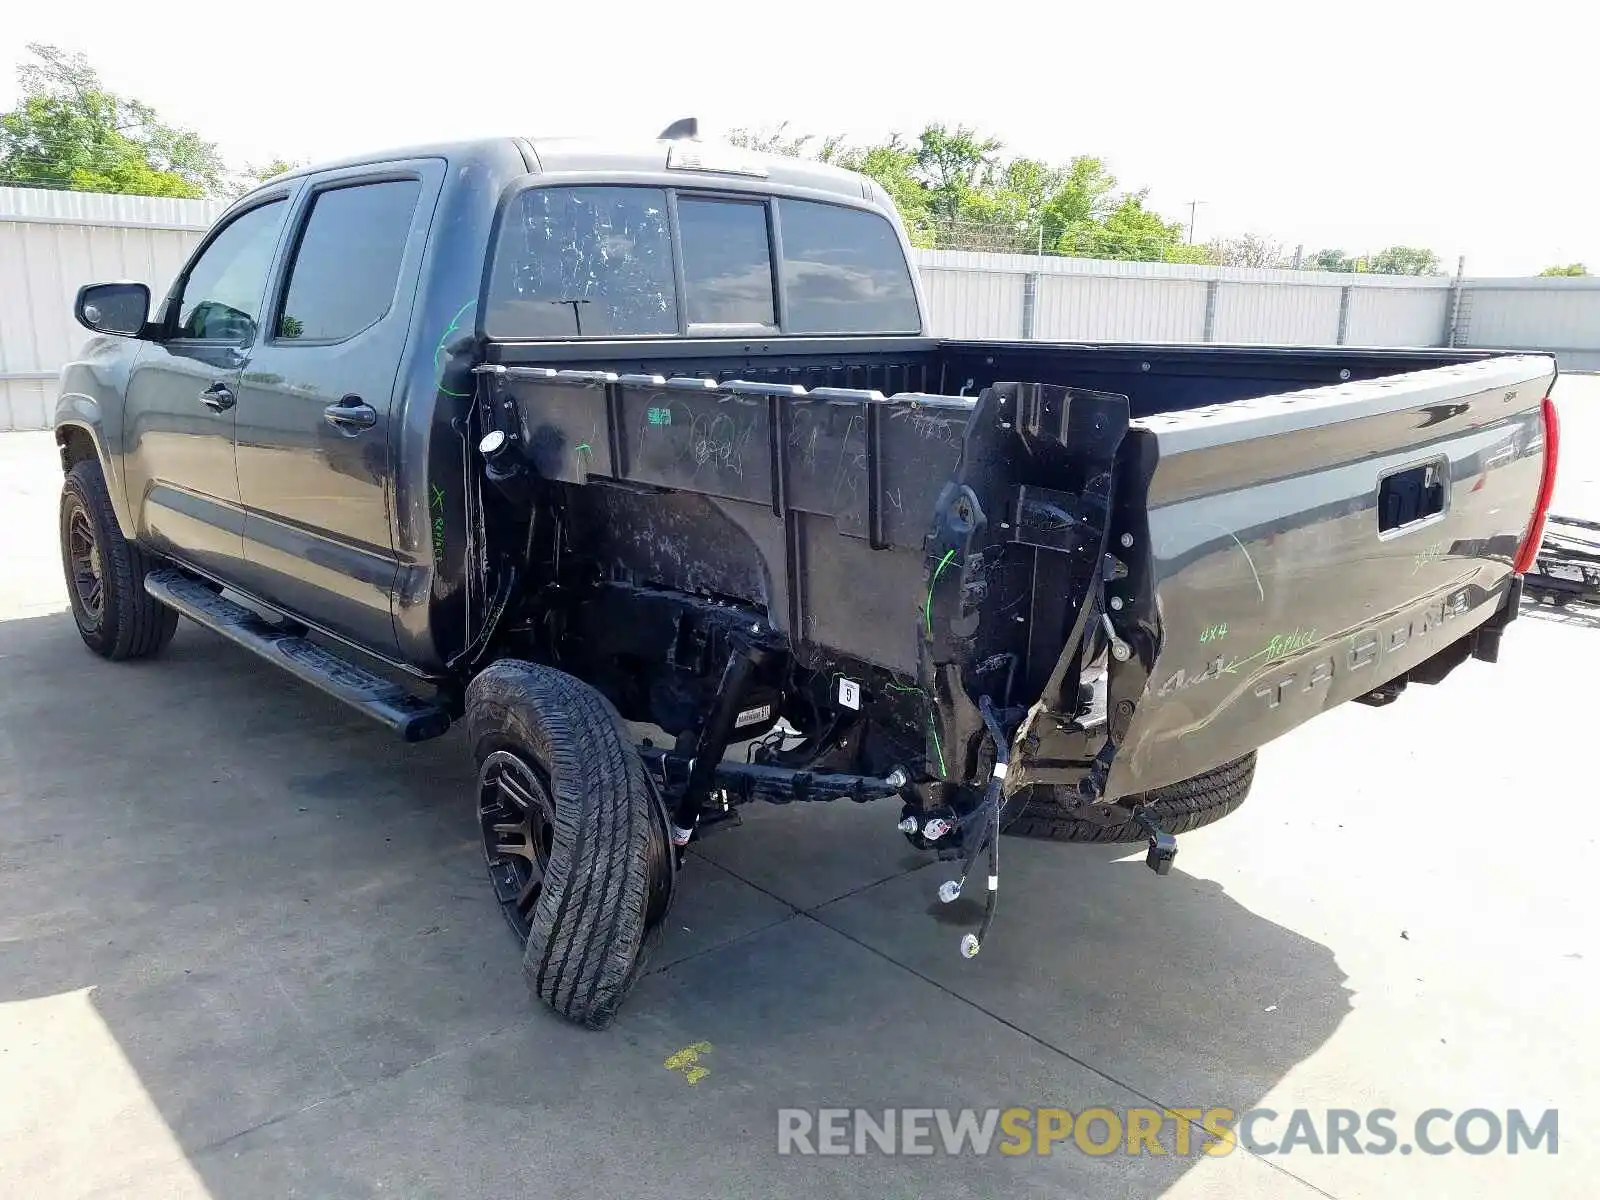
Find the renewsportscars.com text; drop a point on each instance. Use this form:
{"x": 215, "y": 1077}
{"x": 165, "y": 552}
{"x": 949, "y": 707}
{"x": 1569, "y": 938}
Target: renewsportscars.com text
{"x": 1161, "y": 1131}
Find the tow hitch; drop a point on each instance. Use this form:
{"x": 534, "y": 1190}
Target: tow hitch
{"x": 1163, "y": 846}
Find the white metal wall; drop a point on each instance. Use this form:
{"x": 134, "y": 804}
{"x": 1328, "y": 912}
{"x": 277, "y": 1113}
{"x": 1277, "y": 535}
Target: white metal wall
{"x": 1550, "y": 314}
{"x": 990, "y": 302}
{"x": 1397, "y": 316}
{"x": 1085, "y": 299}
{"x": 1277, "y": 313}
{"x": 51, "y": 243}
{"x": 1113, "y": 308}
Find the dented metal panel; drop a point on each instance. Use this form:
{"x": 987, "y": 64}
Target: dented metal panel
{"x": 1280, "y": 593}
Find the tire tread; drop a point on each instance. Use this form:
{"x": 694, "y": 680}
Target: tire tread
{"x": 1179, "y": 807}
{"x": 588, "y": 934}
{"x": 133, "y": 624}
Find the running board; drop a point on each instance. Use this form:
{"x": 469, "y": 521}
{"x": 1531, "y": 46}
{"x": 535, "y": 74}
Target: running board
{"x": 413, "y": 718}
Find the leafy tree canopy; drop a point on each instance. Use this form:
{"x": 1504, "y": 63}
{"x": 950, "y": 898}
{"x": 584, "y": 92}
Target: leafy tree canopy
{"x": 69, "y": 130}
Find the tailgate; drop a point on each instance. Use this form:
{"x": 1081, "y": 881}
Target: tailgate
{"x": 1308, "y": 547}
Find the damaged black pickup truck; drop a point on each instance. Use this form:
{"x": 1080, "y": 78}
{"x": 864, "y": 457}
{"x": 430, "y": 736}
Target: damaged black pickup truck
{"x": 561, "y": 438}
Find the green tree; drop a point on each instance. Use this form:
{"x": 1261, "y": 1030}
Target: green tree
{"x": 1082, "y": 201}
{"x": 1251, "y": 250}
{"x": 955, "y": 189}
{"x": 1569, "y": 269}
{"x": 1132, "y": 231}
{"x": 69, "y": 131}
{"x": 892, "y": 164}
{"x": 774, "y": 139}
{"x": 1404, "y": 260}
{"x": 260, "y": 173}
{"x": 1184, "y": 252}
{"x": 254, "y": 174}
{"x": 954, "y": 166}
{"x": 1329, "y": 260}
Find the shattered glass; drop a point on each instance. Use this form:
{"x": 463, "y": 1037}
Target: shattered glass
{"x": 583, "y": 262}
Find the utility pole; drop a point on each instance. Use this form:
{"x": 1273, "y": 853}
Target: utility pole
{"x": 1193, "y": 204}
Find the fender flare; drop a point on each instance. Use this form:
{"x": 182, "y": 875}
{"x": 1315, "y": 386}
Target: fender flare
{"x": 77, "y": 417}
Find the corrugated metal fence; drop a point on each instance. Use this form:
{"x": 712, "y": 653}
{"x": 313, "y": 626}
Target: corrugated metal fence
{"x": 1074, "y": 299}
{"x": 52, "y": 242}
{"x": 981, "y": 295}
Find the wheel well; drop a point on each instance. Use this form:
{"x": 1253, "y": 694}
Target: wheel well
{"x": 76, "y": 445}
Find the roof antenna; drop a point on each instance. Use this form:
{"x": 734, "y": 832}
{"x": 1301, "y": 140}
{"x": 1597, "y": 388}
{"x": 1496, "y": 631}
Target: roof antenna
{"x": 688, "y": 129}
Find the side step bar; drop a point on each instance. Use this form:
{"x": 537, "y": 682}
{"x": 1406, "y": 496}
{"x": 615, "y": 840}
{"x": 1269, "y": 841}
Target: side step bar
{"x": 413, "y": 718}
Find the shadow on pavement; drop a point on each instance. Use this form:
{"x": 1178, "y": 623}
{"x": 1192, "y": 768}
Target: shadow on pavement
{"x": 280, "y": 913}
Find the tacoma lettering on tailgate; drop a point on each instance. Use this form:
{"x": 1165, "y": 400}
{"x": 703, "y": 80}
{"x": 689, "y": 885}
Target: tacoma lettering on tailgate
{"x": 1352, "y": 653}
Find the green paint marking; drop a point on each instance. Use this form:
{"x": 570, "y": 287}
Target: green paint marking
{"x": 438, "y": 496}
{"x": 455, "y": 324}
{"x": 1281, "y": 645}
{"x": 438, "y": 350}
{"x": 895, "y": 687}
{"x": 659, "y": 416}
{"x": 927, "y": 609}
{"x": 933, "y": 728}
{"x": 584, "y": 448}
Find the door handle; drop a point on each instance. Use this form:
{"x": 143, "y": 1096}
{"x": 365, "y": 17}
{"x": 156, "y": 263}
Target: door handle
{"x": 351, "y": 414}
{"x": 218, "y": 397}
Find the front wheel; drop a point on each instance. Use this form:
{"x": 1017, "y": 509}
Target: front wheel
{"x": 574, "y": 837}
{"x": 116, "y": 617}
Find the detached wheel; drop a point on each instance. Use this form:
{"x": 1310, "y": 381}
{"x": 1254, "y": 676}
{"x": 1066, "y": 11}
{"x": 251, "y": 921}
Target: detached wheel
{"x": 1178, "y": 807}
{"x": 574, "y": 837}
{"x": 116, "y": 617}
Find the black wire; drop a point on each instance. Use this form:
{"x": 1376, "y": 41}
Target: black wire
{"x": 993, "y": 799}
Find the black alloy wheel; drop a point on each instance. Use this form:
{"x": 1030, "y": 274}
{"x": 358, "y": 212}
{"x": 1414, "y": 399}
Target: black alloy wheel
{"x": 88, "y": 576}
{"x": 517, "y": 821}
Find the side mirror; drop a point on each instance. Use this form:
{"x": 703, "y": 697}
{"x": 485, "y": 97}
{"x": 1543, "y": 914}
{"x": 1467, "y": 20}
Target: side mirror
{"x": 119, "y": 308}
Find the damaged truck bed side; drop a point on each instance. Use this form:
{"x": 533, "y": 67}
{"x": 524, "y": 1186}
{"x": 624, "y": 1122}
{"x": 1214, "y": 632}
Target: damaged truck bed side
{"x": 687, "y": 457}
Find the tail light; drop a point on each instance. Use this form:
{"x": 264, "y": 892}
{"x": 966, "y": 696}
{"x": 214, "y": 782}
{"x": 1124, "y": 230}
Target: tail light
{"x": 1547, "y": 487}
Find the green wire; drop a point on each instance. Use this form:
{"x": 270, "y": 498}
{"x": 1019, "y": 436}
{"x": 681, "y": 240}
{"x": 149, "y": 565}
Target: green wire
{"x": 927, "y": 609}
{"x": 927, "y": 617}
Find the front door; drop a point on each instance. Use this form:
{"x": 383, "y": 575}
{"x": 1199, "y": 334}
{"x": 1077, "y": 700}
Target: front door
{"x": 313, "y": 430}
{"x": 182, "y": 396}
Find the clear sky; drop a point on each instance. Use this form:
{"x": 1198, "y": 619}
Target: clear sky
{"x": 1468, "y": 128}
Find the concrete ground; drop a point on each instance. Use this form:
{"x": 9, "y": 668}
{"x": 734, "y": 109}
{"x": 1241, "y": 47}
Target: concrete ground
{"x": 246, "y": 950}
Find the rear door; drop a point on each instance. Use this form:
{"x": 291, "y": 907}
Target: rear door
{"x": 182, "y": 394}
{"x": 315, "y": 452}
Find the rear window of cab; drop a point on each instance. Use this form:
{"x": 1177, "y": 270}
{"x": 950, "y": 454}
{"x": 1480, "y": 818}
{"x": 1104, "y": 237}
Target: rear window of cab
{"x": 617, "y": 261}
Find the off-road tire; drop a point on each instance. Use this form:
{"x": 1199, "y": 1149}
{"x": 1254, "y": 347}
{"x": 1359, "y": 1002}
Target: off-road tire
{"x": 1178, "y": 807}
{"x": 129, "y": 623}
{"x": 610, "y": 860}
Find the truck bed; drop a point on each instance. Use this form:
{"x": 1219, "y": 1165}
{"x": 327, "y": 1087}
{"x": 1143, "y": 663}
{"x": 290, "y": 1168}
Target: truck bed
{"x": 1288, "y": 529}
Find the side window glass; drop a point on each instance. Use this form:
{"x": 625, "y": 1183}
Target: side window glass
{"x": 222, "y": 297}
{"x": 844, "y": 271}
{"x": 348, "y": 262}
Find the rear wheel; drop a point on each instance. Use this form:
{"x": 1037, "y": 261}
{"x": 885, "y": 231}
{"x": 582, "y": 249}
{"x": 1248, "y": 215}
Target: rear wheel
{"x": 574, "y": 837}
{"x": 116, "y": 617}
{"x": 1177, "y": 808}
